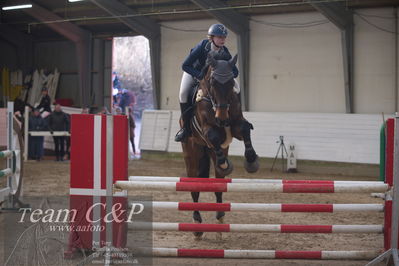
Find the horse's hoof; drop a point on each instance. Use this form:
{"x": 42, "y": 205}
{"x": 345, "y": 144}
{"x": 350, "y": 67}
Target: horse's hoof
{"x": 226, "y": 168}
{"x": 220, "y": 221}
{"x": 220, "y": 217}
{"x": 198, "y": 235}
{"x": 251, "y": 167}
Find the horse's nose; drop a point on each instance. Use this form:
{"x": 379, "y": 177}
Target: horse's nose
{"x": 222, "y": 123}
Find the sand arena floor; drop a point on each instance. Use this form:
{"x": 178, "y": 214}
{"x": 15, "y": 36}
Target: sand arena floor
{"x": 52, "y": 178}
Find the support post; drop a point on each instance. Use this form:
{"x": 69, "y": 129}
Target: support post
{"x": 26, "y": 133}
{"x": 341, "y": 17}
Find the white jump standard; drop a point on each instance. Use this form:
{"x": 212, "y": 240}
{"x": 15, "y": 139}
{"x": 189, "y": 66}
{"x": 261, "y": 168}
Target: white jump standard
{"x": 9, "y": 195}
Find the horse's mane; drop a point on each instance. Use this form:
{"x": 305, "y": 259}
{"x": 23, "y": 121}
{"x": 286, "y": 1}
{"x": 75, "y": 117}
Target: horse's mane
{"x": 205, "y": 82}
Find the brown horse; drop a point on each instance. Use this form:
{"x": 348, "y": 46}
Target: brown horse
{"x": 217, "y": 117}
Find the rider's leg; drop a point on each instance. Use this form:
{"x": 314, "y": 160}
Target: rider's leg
{"x": 236, "y": 87}
{"x": 187, "y": 82}
{"x": 237, "y": 90}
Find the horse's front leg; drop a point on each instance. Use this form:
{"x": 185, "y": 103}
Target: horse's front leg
{"x": 222, "y": 164}
{"x": 242, "y": 131}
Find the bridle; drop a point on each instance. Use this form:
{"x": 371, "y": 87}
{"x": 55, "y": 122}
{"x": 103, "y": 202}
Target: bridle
{"x": 209, "y": 98}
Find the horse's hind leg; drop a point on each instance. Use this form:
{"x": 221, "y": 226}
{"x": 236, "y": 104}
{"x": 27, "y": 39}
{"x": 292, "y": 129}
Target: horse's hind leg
{"x": 203, "y": 171}
{"x": 197, "y": 165}
{"x": 219, "y": 196}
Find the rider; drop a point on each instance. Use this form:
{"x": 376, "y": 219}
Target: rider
{"x": 193, "y": 70}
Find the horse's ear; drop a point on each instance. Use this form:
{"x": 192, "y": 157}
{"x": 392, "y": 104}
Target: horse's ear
{"x": 233, "y": 61}
{"x": 211, "y": 60}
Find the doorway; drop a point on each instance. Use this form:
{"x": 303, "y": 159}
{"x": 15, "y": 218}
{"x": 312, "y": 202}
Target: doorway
{"x": 132, "y": 80}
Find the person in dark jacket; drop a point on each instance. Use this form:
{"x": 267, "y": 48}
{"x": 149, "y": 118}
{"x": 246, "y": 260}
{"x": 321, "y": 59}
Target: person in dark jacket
{"x": 36, "y": 123}
{"x": 58, "y": 121}
{"x": 68, "y": 139}
{"x": 193, "y": 70}
{"x": 132, "y": 127}
{"x": 45, "y": 102}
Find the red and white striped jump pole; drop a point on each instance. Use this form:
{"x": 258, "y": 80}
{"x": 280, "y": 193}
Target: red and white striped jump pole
{"x": 252, "y": 187}
{"x": 260, "y": 254}
{"x": 256, "y": 228}
{"x": 261, "y": 207}
{"x": 244, "y": 180}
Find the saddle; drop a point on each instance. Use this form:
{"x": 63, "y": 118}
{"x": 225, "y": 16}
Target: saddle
{"x": 196, "y": 96}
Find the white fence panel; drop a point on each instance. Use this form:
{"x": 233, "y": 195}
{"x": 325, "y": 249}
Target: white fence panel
{"x": 317, "y": 136}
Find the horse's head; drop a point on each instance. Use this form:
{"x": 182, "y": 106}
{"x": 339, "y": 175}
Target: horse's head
{"x": 221, "y": 87}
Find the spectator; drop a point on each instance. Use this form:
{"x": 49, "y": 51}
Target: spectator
{"x": 86, "y": 110}
{"x": 68, "y": 139}
{"x": 116, "y": 84}
{"x": 36, "y": 123}
{"x": 126, "y": 99}
{"x": 132, "y": 127}
{"x": 19, "y": 108}
{"x": 104, "y": 111}
{"x": 58, "y": 121}
{"x": 19, "y": 105}
{"x": 118, "y": 110}
{"x": 45, "y": 102}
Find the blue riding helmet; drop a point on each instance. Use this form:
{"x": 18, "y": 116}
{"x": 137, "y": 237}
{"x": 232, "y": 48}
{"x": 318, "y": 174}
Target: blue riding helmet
{"x": 218, "y": 30}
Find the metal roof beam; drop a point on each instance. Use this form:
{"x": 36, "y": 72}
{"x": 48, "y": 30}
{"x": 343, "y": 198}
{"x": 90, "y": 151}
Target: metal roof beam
{"x": 141, "y": 24}
{"x": 239, "y": 24}
{"x": 341, "y": 17}
{"x": 336, "y": 12}
{"x": 235, "y": 21}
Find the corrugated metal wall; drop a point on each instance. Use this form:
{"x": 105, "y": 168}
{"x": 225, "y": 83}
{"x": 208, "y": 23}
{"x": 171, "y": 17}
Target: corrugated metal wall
{"x": 298, "y": 69}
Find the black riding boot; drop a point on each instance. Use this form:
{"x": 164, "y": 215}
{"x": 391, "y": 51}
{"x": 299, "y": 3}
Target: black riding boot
{"x": 185, "y": 131}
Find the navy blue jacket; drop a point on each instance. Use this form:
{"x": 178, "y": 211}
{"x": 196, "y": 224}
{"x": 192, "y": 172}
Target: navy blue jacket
{"x": 195, "y": 61}
{"x": 45, "y": 103}
{"x": 37, "y": 123}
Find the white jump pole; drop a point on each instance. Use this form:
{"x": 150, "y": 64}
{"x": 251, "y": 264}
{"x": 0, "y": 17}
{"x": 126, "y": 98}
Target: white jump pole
{"x": 243, "y": 180}
{"x": 259, "y": 254}
{"x": 250, "y": 187}
{"x": 262, "y": 207}
{"x": 256, "y": 228}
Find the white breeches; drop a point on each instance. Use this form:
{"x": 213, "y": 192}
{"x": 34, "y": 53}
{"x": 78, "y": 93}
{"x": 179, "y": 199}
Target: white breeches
{"x": 187, "y": 84}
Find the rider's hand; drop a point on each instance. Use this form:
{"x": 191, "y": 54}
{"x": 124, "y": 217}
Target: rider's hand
{"x": 201, "y": 76}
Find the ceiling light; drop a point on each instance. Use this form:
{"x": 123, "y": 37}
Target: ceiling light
{"x": 74, "y": 1}
{"x": 16, "y": 7}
